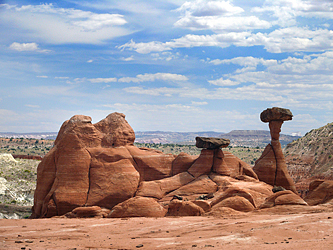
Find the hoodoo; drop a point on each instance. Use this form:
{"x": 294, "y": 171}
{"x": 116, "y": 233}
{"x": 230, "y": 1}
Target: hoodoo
{"x": 271, "y": 167}
{"x": 95, "y": 170}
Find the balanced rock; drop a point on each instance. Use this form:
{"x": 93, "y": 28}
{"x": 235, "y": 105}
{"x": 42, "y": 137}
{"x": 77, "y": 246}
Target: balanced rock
{"x": 274, "y": 114}
{"x": 211, "y": 142}
{"x": 271, "y": 167}
{"x": 95, "y": 169}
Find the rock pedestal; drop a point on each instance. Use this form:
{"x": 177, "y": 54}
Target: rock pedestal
{"x": 94, "y": 170}
{"x": 271, "y": 166}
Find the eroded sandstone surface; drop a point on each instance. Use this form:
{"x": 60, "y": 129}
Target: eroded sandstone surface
{"x": 94, "y": 170}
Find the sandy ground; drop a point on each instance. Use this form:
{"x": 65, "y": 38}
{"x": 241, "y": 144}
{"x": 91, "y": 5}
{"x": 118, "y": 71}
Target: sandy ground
{"x": 309, "y": 229}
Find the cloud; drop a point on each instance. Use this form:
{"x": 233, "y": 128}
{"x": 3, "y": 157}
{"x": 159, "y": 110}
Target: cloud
{"x": 217, "y": 16}
{"x": 286, "y": 12}
{"x": 209, "y": 8}
{"x": 127, "y": 59}
{"x": 278, "y": 41}
{"x": 102, "y": 80}
{"x": 154, "y": 77}
{"x": 43, "y": 77}
{"x": 27, "y": 47}
{"x": 199, "y": 103}
{"x": 51, "y": 24}
{"x": 61, "y": 77}
{"x": 224, "y": 82}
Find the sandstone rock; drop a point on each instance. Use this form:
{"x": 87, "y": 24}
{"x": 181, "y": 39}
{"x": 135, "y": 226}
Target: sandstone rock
{"x": 282, "y": 177}
{"x": 184, "y": 208}
{"x": 203, "y": 164}
{"x": 271, "y": 166}
{"x": 237, "y": 166}
{"x": 87, "y": 212}
{"x": 265, "y": 166}
{"x": 96, "y": 165}
{"x": 151, "y": 164}
{"x": 320, "y": 192}
{"x": 72, "y": 174}
{"x": 46, "y": 173}
{"x": 276, "y": 113}
{"x": 283, "y": 198}
{"x": 201, "y": 185}
{"x": 182, "y": 163}
{"x": 138, "y": 207}
{"x": 203, "y": 204}
{"x": 254, "y": 190}
{"x": 211, "y": 142}
{"x": 237, "y": 203}
{"x": 232, "y": 192}
{"x": 117, "y": 132}
{"x": 113, "y": 177}
{"x": 158, "y": 189}
{"x": 219, "y": 164}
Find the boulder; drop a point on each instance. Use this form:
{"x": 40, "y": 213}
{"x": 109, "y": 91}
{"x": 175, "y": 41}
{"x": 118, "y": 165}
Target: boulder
{"x": 87, "y": 212}
{"x": 320, "y": 192}
{"x": 138, "y": 207}
{"x": 211, "y": 142}
{"x": 237, "y": 203}
{"x": 232, "y": 192}
{"x": 273, "y": 114}
{"x": 283, "y": 198}
{"x": 184, "y": 208}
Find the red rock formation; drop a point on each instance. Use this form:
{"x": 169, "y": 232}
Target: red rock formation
{"x": 182, "y": 163}
{"x": 237, "y": 203}
{"x": 184, "y": 208}
{"x": 138, "y": 207}
{"x": 271, "y": 166}
{"x": 286, "y": 197}
{"x": 320, "y": 191}
{"x": 95, "y": 168}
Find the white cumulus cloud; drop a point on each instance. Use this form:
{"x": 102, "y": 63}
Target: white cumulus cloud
{"x": 102, "y": 80}
{"x": 154, "y": 77}
{"x": 55, "y": 25}
{"x": 27, "y": 47}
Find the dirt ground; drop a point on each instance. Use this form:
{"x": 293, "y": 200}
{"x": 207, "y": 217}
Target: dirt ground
{"x": 286, "y": 227}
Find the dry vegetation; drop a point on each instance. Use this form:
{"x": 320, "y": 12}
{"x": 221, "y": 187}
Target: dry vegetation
{"x": 21, "y": 146}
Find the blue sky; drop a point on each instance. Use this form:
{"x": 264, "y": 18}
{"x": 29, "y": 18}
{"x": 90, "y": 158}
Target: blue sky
{"x": 168, "y": 65}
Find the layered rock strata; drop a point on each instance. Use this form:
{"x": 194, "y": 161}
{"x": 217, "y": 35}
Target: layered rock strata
{"x": 271, "y": 167}
{"x": 95, "y": 170}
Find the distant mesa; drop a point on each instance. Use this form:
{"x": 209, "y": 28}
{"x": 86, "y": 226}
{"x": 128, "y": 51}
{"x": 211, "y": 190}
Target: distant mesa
{"x": 94, "y": 170}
